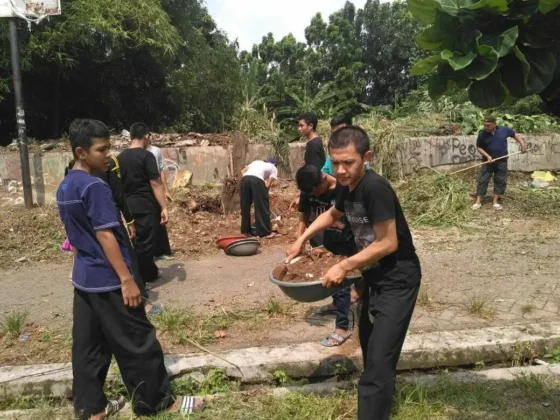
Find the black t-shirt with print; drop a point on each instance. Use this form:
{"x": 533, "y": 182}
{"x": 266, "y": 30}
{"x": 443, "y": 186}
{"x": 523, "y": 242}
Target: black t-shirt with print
{"x": 138, "y": 167}
{"x": 374, "y": 201}
{"x": 338, "y": 239}
{"x": 315, "y": 153}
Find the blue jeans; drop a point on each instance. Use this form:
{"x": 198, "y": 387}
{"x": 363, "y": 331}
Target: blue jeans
{"x": 341, "y": 301}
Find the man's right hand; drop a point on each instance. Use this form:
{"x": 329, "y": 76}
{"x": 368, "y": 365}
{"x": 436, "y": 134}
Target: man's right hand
{"x": 164, "y": 217}
{"x": 130, "y": 293}
{"x": 293, "y": 250}
{"x": 294, "y": 205}
{"x": 489, "y": 159}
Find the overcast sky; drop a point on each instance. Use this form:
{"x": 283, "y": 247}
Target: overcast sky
{"x": 249, "y": 20}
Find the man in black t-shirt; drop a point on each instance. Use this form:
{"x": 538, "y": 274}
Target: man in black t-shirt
{"x": 314, "y": 149}
{"x": 382, "y": 236}
{"x": 319, "y": 192}
{"x": 145, "y": 197}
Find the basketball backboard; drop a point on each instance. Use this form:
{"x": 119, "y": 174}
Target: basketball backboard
{"x": 30, "y": 8}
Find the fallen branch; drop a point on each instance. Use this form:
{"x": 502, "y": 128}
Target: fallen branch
{"x": 194, "y": 343}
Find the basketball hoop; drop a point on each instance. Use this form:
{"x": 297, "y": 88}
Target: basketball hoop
{"x": 32, "y": 11}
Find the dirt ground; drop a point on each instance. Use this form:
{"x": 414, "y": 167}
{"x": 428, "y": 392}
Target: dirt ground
{"x": 501, "y": 268}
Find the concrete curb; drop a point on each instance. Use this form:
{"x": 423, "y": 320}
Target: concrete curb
{"x": 257, "y": 364}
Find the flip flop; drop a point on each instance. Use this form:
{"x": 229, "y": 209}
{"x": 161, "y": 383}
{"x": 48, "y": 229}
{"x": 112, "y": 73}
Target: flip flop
{"x": 188, "y": 405}
{"x": 114, "y": 406}
{"x": 339, "y": 339}
{"x": 155, "y": 309}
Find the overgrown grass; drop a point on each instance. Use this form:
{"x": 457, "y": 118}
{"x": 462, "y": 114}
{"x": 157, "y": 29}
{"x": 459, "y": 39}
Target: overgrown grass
{"x": 179, "y": 324}
{"x": 526, "y": 398}
{"x": 480, "y": 306}
{"x": 435, "y": 200}
{"x": 13, "y": 323}
{"x": 534, "y": 201}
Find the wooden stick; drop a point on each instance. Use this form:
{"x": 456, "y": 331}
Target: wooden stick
{"x": 484, "y": 163}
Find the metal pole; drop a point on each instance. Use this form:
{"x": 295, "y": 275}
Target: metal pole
{"x": 20, "y": 116}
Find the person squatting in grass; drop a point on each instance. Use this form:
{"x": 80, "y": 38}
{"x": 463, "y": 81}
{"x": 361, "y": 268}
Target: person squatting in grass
{"x": 108, "y": 317}
{"x": 492, "y": 143}
{"x": 382, "y": 236}
{"x": 319, "y": 192}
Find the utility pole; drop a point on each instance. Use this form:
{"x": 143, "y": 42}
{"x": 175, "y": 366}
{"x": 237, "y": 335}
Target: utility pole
{"x": 20, "y": 116}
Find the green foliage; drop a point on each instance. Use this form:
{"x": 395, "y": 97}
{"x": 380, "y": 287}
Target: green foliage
{"x": 215, "y": 382}
{"x": 498, "y": 49}
{"x": 281, "y": 378}
{"x": 161, "y": 62}
{"x": 556, "y": 355}
{"x": 435, "y": 200}
{"x": 13, "y": 323}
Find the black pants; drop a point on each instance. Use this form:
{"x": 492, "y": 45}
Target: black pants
{"x": 134, "y": 268}
{"x": 390, "y": 299}
{"x": 105, "y": 327}
{"x": 145, "y": 244}
{"x": 499, "y": 170}
{"x": 253, "y": 190}
{"x": 163, "y": 247}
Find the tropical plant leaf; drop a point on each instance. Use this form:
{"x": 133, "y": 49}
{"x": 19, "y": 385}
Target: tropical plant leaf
{"x": 499, "y": 6}
{"x": 542, "y": 65}
{"x": 458, "y": 61}
{"x": 433, "y": 38}
{"x": 547, "y": 6}
{"x": 426, "y": 65}
{"x": 484, "y": 64}
{"x": 488, "y": 93}
{"x": 514, "y": 74}
{"x": 520, "y": 9}
{"x": 437, "y": 86}
{"x": 450, "y": 7}
{"x": 423, "y": 10}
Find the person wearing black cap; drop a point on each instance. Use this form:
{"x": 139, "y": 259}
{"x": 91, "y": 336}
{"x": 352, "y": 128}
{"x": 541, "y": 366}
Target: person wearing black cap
{"x": 492, "y": 144}
{"x": 257, "y": 178}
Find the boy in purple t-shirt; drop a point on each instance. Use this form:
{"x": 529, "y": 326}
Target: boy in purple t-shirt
{"x": 108, "y": 318}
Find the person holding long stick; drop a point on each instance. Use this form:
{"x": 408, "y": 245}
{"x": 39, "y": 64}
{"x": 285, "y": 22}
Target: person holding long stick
{"x": 492, "y": 144}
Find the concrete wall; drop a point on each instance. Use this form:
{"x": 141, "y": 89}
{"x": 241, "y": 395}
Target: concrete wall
{"x": 543, "y": 153}
{"x": 210, "y": 164}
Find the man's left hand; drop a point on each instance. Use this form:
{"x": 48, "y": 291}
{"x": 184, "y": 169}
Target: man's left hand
{"x": 523, "y": 149}
{"x": 131, "y": 230}
{"x": 334, "y": 277}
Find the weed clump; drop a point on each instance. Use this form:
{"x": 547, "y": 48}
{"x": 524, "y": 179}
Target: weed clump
{"x": 435, "y": 200}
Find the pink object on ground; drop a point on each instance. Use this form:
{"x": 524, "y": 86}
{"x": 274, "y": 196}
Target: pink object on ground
{"x": 66, "y": 247}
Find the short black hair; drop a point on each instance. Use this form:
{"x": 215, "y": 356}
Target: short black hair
{"x": 69, "y": 167}
{"x": 138, "y": 131}
{"x": 346, "y": 136}
{"x": 490, "y": 119}
{"x": 82, "y": 133}
{"x": 341, "y": 119}
{"x": 308, "y": 178}
{"x": 310, "y": 118}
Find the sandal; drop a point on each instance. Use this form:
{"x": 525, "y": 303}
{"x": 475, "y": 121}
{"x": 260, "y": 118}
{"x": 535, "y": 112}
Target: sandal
{"x": 272, "y": 235}
{"x": 339, "y": 339}
{"x": 114, "y": 406}
{"x": 188, "y": 405}
{"x": 155, "y": 309}
{"x": 323, "y": 310}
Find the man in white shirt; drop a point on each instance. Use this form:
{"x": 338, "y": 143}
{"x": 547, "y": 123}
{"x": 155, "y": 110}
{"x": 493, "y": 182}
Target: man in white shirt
{"x": 257, "y": 179}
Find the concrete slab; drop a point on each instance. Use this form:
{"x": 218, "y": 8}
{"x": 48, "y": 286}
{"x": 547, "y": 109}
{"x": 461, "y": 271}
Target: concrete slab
{"x": 257, "y": 364}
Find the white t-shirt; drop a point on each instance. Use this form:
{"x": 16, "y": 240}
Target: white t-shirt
{"x": 262, "y": 170}
{"x": 154, "y": 150}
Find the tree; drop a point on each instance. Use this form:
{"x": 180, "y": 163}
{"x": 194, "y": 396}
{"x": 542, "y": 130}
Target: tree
{"x": 387, "y": 35}
{"x": 497, "y": 49}
{"x": 161, "y": 62}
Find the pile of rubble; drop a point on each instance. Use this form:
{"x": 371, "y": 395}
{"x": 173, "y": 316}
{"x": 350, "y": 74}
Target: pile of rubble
{"x": 121, "y": 142}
